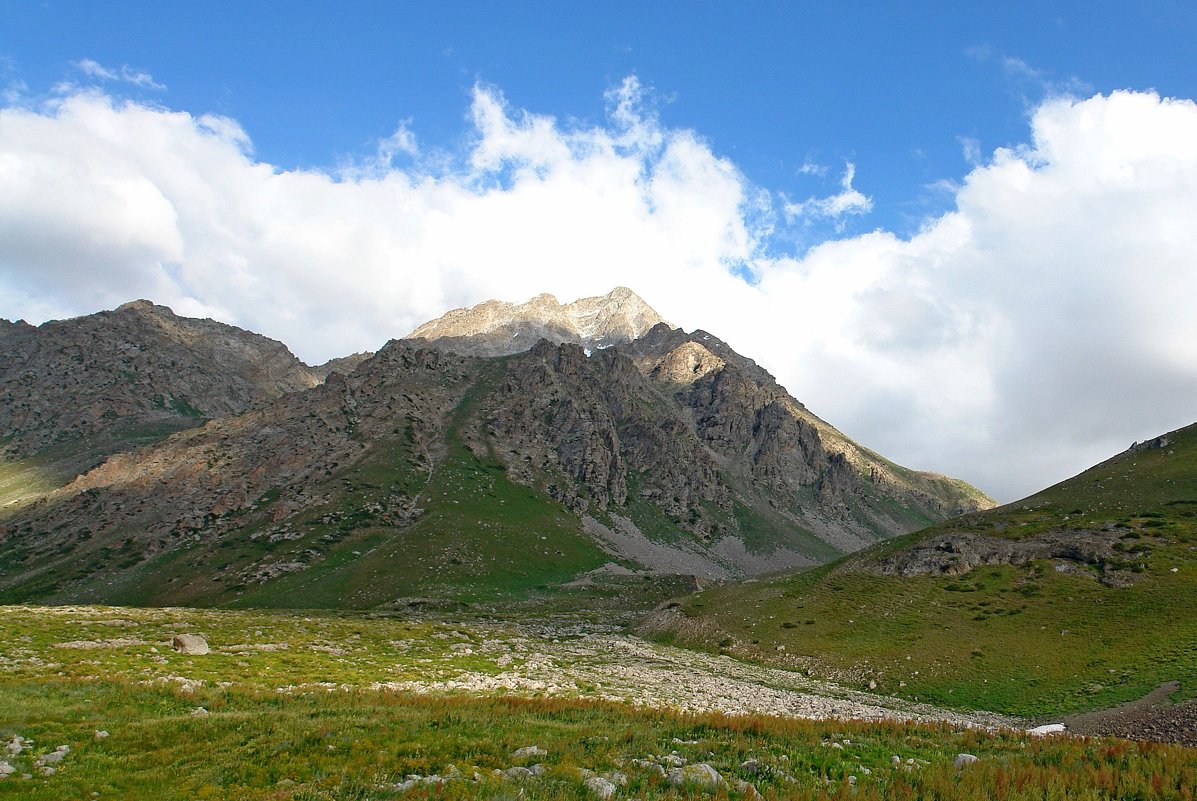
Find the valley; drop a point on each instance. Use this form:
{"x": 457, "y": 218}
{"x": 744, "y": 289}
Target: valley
{"x": 568, "y": 528}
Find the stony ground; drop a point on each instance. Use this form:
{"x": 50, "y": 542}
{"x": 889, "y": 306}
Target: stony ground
{"x": 613, "y": 666}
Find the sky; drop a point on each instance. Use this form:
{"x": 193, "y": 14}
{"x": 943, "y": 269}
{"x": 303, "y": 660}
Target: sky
{"x": 961, "y": 233}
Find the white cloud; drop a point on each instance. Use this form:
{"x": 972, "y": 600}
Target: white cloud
{"x": 848, "y": 200}
{"x": 1040, "y": 326}
{"x": 126, "y": 74}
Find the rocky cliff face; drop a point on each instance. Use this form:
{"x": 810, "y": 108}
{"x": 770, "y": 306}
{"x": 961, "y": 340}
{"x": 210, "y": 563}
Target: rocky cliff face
{"x": 125, "y": 372}
{"x": 669, "y": 453}
{"x": 495, "y": 328}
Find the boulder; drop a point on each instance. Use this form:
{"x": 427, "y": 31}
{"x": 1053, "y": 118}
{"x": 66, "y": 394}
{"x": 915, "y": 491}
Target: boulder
{"x": 700, "y": 775}
{"x": 190, "y": 644}
{"x": 600, "y": 787}
{"x": 964, "y": 759}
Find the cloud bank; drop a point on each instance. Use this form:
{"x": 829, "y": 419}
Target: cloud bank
{"x": 1041, "y": 325}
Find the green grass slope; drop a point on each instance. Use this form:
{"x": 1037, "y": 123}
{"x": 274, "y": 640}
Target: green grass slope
{"x": 1041, "y": 638}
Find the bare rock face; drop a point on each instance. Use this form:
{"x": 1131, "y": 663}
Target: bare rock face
{"x": 496, "y": 328}
{"x": 958, "y": 553}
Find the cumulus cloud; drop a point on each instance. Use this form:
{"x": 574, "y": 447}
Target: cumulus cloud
{"x": 1038, "y": 327}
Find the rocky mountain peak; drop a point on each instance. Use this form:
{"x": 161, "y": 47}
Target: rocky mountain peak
{"x": 142, "y": 305}
{"x": 498, "y": 328}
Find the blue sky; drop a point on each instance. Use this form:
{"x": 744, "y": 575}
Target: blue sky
{"x": 962, "y": 233}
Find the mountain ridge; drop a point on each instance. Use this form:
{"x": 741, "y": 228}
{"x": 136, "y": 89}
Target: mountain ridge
{"x": 669, "y": 453}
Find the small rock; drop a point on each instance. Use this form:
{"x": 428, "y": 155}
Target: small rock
{"x": 872, "y": 684}
{"x": 518, "y": 773}
{"x": 651, "y": 767}
{"x": 672, "y": 759}
{"x": 190, "y": 644}
{"x": 700, "y": 774}
{"x": 6, "y": 769}
{"x": 16, "y": 745}
{"x": 746, "y": 789}
{"x": 964, "y": 759}
{"x": 600, "y": 787}
{"x": 530, "y": 751}
{"x": 100, "y": 735}
{"x": 752, "y": 766}
{"x": 616, "y": 778}
{"x": 538, "y": 769}
{"x": 199, "y": 711}
{"x": 895, "y": 760}
{"x": 49, "y": 771}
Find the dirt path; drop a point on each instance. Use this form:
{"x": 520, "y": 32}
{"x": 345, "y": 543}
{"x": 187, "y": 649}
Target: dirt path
{"x": 1152, "y": 717}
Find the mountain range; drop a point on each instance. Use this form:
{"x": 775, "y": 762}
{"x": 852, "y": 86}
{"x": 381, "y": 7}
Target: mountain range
{"x": 501, "y": 452}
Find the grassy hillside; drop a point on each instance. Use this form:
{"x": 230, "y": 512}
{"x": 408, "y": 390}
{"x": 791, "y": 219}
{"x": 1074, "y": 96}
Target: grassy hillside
{"x": 1054, "y": 635}
{"x": 284, "y": 708}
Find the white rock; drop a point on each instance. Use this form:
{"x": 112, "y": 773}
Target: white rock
{"x": 6, "y": 769}
{"x": 700, "y": 774}
{"x": 964, "y": 759}
{"x": 600, "y": 787}
{"x": 190, "y": 644}
{"x": 616, "y": 778}
{"x": 530, "y": 751}
{"x": 518, "y": 773}
{"x": 100, "y": 735}
{"x": 747, "y": 789}
{"x": 1049, "y": 728}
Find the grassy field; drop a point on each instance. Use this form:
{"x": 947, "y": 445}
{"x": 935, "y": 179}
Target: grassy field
{"x": 1028, "y": 640}
{"x": 256, "y": 720}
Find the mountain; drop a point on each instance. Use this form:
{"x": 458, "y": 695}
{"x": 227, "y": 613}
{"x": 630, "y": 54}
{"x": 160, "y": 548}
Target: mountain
{"x": 133, "y": 369}
{"x": 75, "y": 391}
{"x": 428, "y": 473}
{"x": 1079, "y": 597}
{"x": 496, "y": 328}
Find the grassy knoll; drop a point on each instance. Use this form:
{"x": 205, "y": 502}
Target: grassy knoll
{"x": 302, "y": 722}
{"x": 1052, "y": 636}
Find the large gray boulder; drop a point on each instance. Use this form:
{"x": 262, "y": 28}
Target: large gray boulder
{"x": 190, "y": 644}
